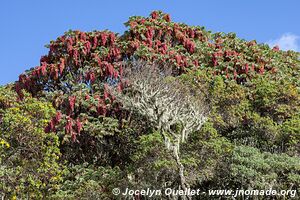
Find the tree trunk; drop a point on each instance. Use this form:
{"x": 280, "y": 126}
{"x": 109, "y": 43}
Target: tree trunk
{"x": 184, "y": 184}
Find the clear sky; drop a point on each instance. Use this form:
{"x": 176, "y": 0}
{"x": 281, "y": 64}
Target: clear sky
{"x": 27, "y": 25}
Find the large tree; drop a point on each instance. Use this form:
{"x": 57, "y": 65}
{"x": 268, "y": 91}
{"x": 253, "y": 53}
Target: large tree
{"x": 123, "y": 128}
{"x": 174, "y": 108}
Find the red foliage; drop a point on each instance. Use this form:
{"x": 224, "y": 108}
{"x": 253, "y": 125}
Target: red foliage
{"x": 189, "y": 45}
{"x": 78, "y": 125}
{"x": 167, "y": 17}
{"x": 115, "y": 52}
{"x": 112, "y": 38}
{"x": 109, "y": 68}
{"x": 82, "y": 36}
{"x": 253, "y": 67}
{"x": 72, "y": 100}
{"x": 133, "y": 24}
{"x": 61, "y": 65}
{"x": 119, "y": 87}
{"x": 184, "y": 59}
{"x": 44, "y": 68}
{"x": 154, "y": 15}
{"x": 191, "y": 33}
{"x": 276, "y": 48}
{"x": 22, "y": 78}
{"x": 58, "y": 116}
{"x": 44, "y": 59}
{"x": 69, "y": 45}
{"x": 92, "y": 77}
{"x": 77, "y": 53}
{"x": 121, "y": 70}
{"x": 101, "y": 108}
{"x": 87, "y": 46}
{"x": 47, "y": 129}
{"x": 52, "y": 124}
{"x": 105, "y": 92}
{"x": 116, "y": 74}
{"x": 18, "y": 90}
{"x": 104, "y": 37}
{"x": 95, "y": 42}
{"x": 164, "y": 47}
{"x": 196, "y": 63}
{"x": 28, "y": 83}
{"x": 247, "y": 68}
{"x": 178, "y": 59}
{"x": 54, "y": 71}
{"x": 214, "y": 60}
{"x": 73, "y": 136}
{"x": 69, "y": 126}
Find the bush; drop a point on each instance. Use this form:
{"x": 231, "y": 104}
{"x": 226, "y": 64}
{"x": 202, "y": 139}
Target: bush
{"x": 29, "y": 156}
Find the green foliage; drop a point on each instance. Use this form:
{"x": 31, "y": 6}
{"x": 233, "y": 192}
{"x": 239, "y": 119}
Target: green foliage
{"x": 251, "y": 168}
{"x": 278, "y": 99}
{"x": 153, "y": 166}
{"x": 262, "y": 113}
{"x": 203, "y": 153}
{"x": 29, "y": 156}
{"x": 64, "y": 135}
{"x": 229, "y": 103}
{"x": 290, "y": 135}
{"x": 88, "y": 182}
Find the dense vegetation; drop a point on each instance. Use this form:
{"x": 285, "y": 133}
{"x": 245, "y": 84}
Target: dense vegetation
{"x": 75, "y": 127}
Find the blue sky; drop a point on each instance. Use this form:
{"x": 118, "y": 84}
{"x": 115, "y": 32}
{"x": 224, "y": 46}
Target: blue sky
{"x": 26, "y": 26}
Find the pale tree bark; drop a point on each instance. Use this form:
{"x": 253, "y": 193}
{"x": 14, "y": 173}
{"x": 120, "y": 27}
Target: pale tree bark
{"x": 171, "y": 106}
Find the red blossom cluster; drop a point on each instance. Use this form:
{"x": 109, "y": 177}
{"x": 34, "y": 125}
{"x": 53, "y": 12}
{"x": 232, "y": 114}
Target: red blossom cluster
{"x": 91, "y": 57}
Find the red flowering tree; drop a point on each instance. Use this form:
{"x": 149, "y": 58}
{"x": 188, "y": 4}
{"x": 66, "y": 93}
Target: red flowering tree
{"x": 253, "y": 91}
{"x": 80, "y": 66}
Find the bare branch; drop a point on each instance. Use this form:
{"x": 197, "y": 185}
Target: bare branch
{"x": 174, "y": 108}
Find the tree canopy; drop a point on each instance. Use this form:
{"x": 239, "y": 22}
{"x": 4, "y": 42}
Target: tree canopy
{"x": 164, "y": 105}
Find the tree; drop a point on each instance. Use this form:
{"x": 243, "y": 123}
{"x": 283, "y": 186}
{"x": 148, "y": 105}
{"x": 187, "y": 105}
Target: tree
{"x": 115, "y": 113}
{"x": 169, "y": 105}
{"x": 29, "y": 157}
